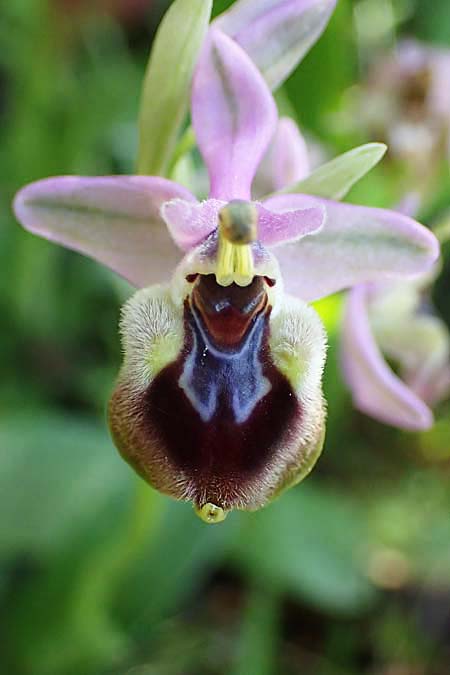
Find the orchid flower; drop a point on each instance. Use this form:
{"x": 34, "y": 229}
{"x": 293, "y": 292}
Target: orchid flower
{"x": 219, "y": 399}
{"x": 406, "y": 101}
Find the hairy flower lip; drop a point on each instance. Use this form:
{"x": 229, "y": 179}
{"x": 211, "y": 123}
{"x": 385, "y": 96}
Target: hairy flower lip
{"x": 230, "y": 463}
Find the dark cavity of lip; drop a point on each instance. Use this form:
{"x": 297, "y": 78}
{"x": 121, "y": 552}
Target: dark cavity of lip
{"x": 228, "y": 312}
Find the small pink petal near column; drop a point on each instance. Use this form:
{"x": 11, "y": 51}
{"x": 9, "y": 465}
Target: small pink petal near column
{"x": 281, "y": 228}
{"x": 189, "y": 222}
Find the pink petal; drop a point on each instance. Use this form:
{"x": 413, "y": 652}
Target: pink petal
{"x": 189, "y": 223}
{"x": 356, "y": 245}
{"x": 285, "y": 162}
{"x": 280, "y": 228}
{"x": 113, "y": 219}
{"x": 276, "y": 34}
{"x": 233, "y": 115}
{"x": 376, "y": 390}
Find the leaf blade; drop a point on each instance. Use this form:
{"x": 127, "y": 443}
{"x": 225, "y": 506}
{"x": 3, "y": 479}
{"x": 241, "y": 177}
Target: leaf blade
{"x": 335, "y": 179}
{"x": 165, "y": 92}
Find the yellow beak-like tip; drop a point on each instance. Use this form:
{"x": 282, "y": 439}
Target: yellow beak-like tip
{"x": 210, "y": 513}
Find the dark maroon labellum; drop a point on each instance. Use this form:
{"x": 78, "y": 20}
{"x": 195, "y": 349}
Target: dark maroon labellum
{"x": 218, "y": 415}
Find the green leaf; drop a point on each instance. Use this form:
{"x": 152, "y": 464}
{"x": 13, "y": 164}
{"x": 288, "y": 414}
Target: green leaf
{"x": 55, "y": 472}
{"x": 308, "y": 544}
{"x": 68, "y": 502}
{"x": 258, "y": 634}
{"x": 335, "y": 179}
{"x": 190, "y": 548}
{"x": 165, "y": 93}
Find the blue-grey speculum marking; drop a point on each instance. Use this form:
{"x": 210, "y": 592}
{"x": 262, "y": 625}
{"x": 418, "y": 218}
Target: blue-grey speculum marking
{"x": 235, "y": 377}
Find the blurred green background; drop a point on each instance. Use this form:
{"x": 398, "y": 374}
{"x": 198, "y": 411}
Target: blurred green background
{"x": 347, "y": 574}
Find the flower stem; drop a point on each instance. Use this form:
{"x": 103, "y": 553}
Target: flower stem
{"x": 259, "y": 634}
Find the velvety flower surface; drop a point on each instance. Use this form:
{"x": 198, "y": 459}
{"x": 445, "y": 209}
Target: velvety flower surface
{"x": 219, "y": 399}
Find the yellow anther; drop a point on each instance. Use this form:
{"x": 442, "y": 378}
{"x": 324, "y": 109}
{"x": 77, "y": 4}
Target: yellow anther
{"x": 225, "y": 262}
{"x": 237, "y": 230}
{"x": 210, "y": 513}
{"x": 243, "y": 265}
